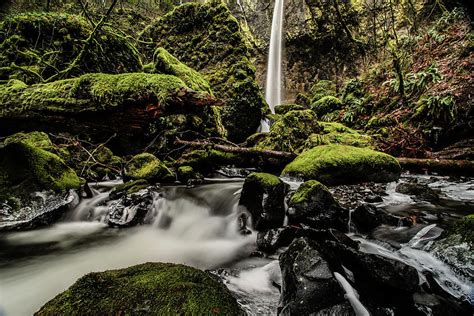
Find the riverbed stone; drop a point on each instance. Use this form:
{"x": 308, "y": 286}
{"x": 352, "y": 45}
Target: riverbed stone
{"x": 263, "y": 195}
{"x": 150, "y": 288}
{"x": 341, "y": 164}
{"x": 147, "y": 167}
{"x": 312, "y": 204}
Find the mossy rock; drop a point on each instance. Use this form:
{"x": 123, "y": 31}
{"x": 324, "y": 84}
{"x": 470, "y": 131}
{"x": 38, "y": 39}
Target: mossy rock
{"x": 263, "y": 195}
{"x": 150, "y": 288}
{"x": 147, "y": 167}
{"x": 207, "y": 38}
{"x": 35, "y": 46}
{"x": 38, "y": 140}
{"x": 465, "y": 228}
{"x": 340, "y": 164}
{"x": 327, "y": 104}
{"x": 282, "y": 109}
{"x": 337, "y": 133}
{"x": 321, "y": 89}
{"x": 128, "y": 188}
{"x": 290, "y": 132}
{"x": 165, "y": 63}
{"x": 186, "y": 173}
{"x": 25, "y": 169}
{"x": 312, "y": 204}
{"x": 205, "y": 161}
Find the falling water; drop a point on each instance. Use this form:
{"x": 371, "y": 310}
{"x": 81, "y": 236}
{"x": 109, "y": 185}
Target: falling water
{"x": 273, "y": 93}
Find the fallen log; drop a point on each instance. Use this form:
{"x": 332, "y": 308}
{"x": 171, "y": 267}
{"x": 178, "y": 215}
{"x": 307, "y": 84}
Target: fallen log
{"x": 98, "y": 105}
{"x": 441, "y": 166}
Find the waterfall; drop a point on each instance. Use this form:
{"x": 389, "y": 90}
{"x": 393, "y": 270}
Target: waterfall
{"x": 273, "y": 94}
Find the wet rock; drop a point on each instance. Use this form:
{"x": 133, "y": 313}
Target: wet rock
{"x": 418, "y": 190}
{"x": 308, "y": 283}
{"x": 373, "y": 199}
{"x": 366, "y": 217}
{"x": 263, "y": 195}
{"x": 147, "y": 289}
{"x": 128, "y": 188}
{"x": 273, "y": 239}
{"x": 147, "y": 167}
{"x": 312, "y": 204}
{"x": 187, "y": 173}
{"x": 130, "y": 210}
{"x": 435, "y": 305}
{"x": 397, "y": 236}
{"x": 340, "y": 164}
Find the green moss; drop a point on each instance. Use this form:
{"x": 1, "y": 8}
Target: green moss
{"x": 150, "y": 288}
{"x": 290, "y": 131}
{"x": 147, "y": 167}
{"x": 35, "y": 46}
{"x": 25, "y": 169}
{"x": 128, "y": 188}
{"x": 35, "y": 139}
{"x": 92, "y": 92}
{"x": 285, "y": 108}
{"x": 207, "y": 160}
{"x": 207, "y": 38}
{"x": 265, "y": 180}
{"x": 321, "y": 89}
{"x": 465, "y": 228}
{"x": 340, "y": 164}
{"x": 305, "y": 191}
{"x": 165, "y": 63}
{"x": 337, "y": 133}
{"x": 103, "y": 154}
{"x": 326, "y": 105}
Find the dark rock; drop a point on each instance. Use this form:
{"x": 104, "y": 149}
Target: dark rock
{"x": 418, "y": 190}
{"x": 312, "y": 204}
{"x": 435, "y": 305}
{"x": 308, "y": 283}
{"x": 130, "y": 210}
{"x": 373, "y": 199}
{"x": 263, "y": 195}
{"x": 366, "y": 217}
{"x": 128, "y": 188}
{"x": 273, "y": 239}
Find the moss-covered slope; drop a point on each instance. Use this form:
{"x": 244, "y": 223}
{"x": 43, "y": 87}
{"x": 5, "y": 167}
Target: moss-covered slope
{"x": 146, "y": 289}
{"x": 207, "y": 38}
{"x": 37, "y": 46}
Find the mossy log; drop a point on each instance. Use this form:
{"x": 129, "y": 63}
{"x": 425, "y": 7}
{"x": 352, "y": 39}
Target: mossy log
{"x": 98, "y": 105}
{"x": 442, "y": 166}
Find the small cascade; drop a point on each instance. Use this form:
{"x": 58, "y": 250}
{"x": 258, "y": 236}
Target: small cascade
{"x": 273, "y": 91}
{"x": 352, "y": 296}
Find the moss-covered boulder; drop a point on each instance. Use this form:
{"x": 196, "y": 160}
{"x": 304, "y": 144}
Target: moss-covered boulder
{"x": 26, "y": 167}
{"x": 147, "y": 167}
{"x": 165, "y": 63}
{"x": 321, "y": 89}
{"x": 312, "y": 204}
{"x": 340, "y": 164}
{"x": 186, "y": 173}
{"x": 36, "y": 46}
{"x": 263, "y": 195}
{"x": 326, "y": 105}
{"x": 337, "y": 133}
{"x": 465, "y": 228}
{"x": 290, "y": 132}
{"x": 150, "y": 288}
{"x": 208, "y": 38}
{"x": 282, "y": 109}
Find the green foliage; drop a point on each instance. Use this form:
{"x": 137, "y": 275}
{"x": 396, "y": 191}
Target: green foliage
{"x": 207, "y": 38}
{"x": 340, "y": 164}
{"x": 440, "y": 109}
{"x": 150, "y": 288}
{"x": 37, "y": 46}
{"x": 417, "y": 82}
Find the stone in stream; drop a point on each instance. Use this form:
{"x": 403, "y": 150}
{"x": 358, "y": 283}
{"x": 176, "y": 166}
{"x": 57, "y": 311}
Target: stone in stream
{"x": 272, "y": 239}
{"x": 146, "y": 289}
{"x": 313, "y": 205}
{"x": 263, "y": 195}
{"x": 366, "y": 217}
{"x": 308, "y": 283}
{"x": 418, "y": 190}
{"x": 340, "y": 164}
{"x": 131, "y": 209}
{"x": 147, "y": 167}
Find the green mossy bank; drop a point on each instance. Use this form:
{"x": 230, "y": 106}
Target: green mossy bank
{"x": 208, "y": 38}
{"x": 150, "y": 288}
{"x": 37, "y": 46}
{"x": 340, "y": 164}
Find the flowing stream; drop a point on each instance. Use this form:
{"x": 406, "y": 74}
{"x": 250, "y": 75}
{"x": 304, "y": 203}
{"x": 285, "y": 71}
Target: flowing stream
{"x": 195, "y": 226}
{"x": 273, "y": 91}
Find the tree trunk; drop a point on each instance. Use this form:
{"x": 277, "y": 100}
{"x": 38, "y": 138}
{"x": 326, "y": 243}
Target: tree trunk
{"x": 460, "y": 167}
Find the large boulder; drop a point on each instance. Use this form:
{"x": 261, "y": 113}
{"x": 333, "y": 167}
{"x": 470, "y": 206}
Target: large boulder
{"x": 208, "y": 38}
{"x": 150, "y": 288}
{"x": 36, "y": 46}
{"x": 326, "y": 105}
{"x": 147, "y": 167}
{"x": 312, "y": 204}
{"x": 263, "y": 195}
{"x": 308, "y": 282}
{"x": 340, "y": 164}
